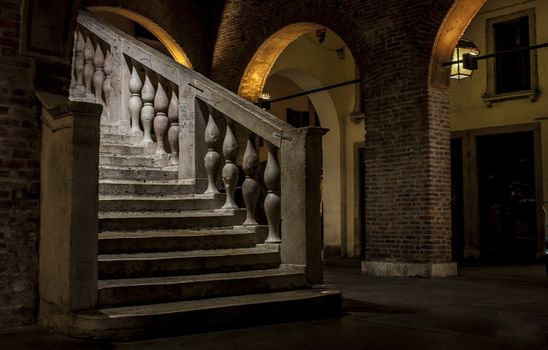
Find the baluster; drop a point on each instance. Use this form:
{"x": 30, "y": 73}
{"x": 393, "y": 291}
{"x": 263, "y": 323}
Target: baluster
{"x": 173, "y": 132}
{"x": 230, "y": 170}
{"x": 80, "y": 89}
{"x": 147, "y": 112}
{"x": 160, "y": 121}
{"x": 99, "y": 75}
{"x": 89, "y": 53}
{"x": 135, "y": 103}
{"x": 107, "y": 83}
{"x": 212, "y": 158}
{"x": 73, "y": 70}
{"x": 272, "y": 200}
{"x": 250, "y": 187}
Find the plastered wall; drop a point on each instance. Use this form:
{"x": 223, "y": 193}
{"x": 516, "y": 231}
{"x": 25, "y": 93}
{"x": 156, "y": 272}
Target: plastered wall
{"x": 304, "y": 65}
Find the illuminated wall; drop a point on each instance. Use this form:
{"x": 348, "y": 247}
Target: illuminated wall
{"x": 469, "y": 110}
{"x": 303, "y": 65}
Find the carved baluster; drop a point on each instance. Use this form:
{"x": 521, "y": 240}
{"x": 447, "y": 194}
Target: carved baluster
{"x": 73, "y": 70}
{"x": 89, "y": 53}
{"x": 173, "y": 132}
{"x": 99, "y": 75}
{"x": 272, "y": 200}
{"x": 161, "y": 122}
{"x": 80, "y": 89}
{"x": 212, "y": 158}
{"x": 107, "y": 83}
{"x": 135, "y": 103}
{"x": 230, "y": 170}
{"x": 250, "y": 187}
{"x": 147, "y": 112}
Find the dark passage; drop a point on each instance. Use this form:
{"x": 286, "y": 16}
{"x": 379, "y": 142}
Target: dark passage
{"x": 507, "y": 196}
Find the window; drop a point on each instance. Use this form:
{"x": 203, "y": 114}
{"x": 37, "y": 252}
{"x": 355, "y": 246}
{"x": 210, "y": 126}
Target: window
{"x": 301, "y": 119}
{"x": 297, "y": 119}
{"x": 512, "y": 72}
{"x": 514, "y": 75}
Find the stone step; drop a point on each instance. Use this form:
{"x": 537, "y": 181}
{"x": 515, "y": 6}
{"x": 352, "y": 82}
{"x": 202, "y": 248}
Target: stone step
{"x": 188, "y": 262}
{"x": 113, "y": 129}
{"x": 134, "y": 161}
{"x": 137, "y": 174}
{"x": 194, "y": 316}
{"x": 133, "y": 188}
{"x": 115, "y": 138}
{"x": 172, "y": 203}
{"x": 115, "y": 149}
{"x": 141, "y": 221}
{"x": 139, "y": 291}
{"x": 158, "y": 241}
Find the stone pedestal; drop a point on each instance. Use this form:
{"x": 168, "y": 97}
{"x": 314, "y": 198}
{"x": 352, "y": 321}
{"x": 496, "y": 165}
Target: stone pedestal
{"x": 300, "y": 195}
{"x": 68, "y": 213}
{"x": 404, "y": 269}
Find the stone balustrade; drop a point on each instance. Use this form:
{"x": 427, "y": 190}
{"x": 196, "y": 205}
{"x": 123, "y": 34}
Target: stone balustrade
{"x": 204, "y": 127}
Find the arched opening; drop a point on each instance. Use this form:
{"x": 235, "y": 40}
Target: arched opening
{"x": 169, "y": 45}
{"x": 291, "y": 61}
{"x": 258, "y": 69}
{"x": 497, "y": 125}
{"x": 455, "y": 23}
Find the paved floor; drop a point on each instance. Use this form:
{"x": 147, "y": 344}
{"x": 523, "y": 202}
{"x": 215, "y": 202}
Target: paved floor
{"x": 488, "y": 307}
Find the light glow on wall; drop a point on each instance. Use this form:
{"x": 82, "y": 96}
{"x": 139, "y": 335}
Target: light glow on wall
{"x": 256, "y": 73}
{"x": 170, "y": 44}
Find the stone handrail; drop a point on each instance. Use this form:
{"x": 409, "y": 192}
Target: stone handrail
{"x": 225, "y": 101}
{"x": 139, "y": 86}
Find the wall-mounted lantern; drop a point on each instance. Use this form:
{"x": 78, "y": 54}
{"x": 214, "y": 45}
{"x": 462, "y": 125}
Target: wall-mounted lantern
{"x": 264, "y": 101}
{"x": 463, "y": 64}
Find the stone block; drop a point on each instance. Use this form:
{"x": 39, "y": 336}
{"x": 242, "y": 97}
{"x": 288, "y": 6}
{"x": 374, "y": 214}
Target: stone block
{"x": 404, "y": 269}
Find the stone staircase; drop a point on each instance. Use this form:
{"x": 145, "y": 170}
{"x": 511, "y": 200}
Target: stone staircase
{"x": 156, "y": 249}
{"x": 170, "y": 262}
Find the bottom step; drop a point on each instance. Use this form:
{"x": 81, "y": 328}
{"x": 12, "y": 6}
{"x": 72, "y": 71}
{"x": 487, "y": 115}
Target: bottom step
{"x": 195, "y": 316}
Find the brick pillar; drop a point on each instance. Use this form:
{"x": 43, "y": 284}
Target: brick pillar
{"x": 19, "y": 176}
{"x": 408, "y": 186}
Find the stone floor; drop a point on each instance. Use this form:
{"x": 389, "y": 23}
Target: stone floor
{"x": 486, "y": 307}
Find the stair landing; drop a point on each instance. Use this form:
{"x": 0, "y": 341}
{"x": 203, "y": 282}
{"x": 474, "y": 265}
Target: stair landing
{"x": 185, "y": 317}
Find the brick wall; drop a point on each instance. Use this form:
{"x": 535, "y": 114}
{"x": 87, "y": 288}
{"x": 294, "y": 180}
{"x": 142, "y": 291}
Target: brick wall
{"x": 19, "y": 176}
{"x": 407, "y": 155}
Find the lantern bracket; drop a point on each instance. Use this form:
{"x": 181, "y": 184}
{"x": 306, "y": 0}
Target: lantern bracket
{"x": 471, "y": 62}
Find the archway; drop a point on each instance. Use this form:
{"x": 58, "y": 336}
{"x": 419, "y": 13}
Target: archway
{"x": 496, "y": 204}
{"x": 167, "y": 41}
{"x": 258, "y": 69}
{"x": 455, "y": 23}
{"x": 287, "y": 54}
{"x": 333, "y": 194}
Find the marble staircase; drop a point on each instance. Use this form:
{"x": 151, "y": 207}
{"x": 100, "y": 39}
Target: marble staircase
{"x": 185, "y": 208}
{"x": 170, "y": 262}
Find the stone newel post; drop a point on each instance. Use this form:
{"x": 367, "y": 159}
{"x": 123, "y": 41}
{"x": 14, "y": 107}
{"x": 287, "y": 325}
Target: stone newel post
{"x": 68, "y": 213}
{"x": 301, "y": 197}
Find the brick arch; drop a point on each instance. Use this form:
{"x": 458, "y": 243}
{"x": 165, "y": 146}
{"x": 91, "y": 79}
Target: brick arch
{"x": 453, "y": 26}
{"x": 241, "y": 32}
{"x": 258, "y": 69}
{"x": 186, "y": 21}
{"x": 160, "y": 33}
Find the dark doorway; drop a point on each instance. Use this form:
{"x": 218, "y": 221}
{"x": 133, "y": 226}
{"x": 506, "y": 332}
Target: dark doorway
{"x": 457, "y": 201}
{"x": 507, "y": 197}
